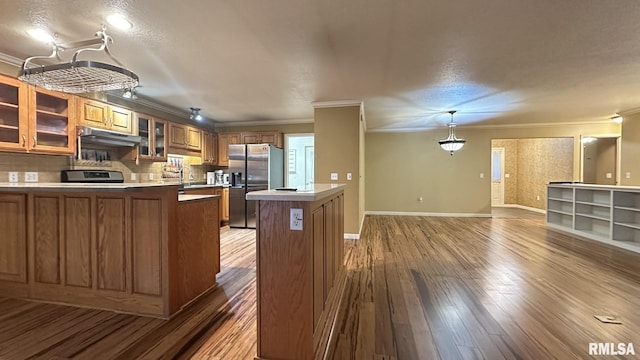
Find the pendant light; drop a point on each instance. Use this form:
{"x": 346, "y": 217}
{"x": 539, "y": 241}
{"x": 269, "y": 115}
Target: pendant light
{"x": 195, "y": 114}
{"x": 451, "y": 143}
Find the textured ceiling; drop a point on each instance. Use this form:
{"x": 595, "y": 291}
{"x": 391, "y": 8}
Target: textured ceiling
{"x": 497, "y": 62}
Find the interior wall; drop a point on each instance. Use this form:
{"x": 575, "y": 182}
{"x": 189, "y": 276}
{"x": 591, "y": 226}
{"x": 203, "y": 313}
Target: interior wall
{"x": 401, "y": 167}
{"x": 510, "y": 168}
{"x": 337, "y": 146}
{"x": 539, "y": 162}
{"x": 629, "y": 149}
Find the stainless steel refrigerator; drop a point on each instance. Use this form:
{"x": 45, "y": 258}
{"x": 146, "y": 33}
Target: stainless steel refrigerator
{"x": 252, "y": 167}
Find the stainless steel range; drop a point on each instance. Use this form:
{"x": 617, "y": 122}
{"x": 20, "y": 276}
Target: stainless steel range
{"x": 91, "y": 176}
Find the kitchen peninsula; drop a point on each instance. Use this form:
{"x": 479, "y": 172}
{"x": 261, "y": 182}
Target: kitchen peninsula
{"x": 300, "y": 269}
{"x": 135, "y": 248}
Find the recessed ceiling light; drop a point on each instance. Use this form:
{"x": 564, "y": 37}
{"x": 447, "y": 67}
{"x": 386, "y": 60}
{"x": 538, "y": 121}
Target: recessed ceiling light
{"x": 119, "y": 21}
{"x": 41, "y": 35}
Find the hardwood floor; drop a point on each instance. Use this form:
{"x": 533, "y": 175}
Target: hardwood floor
{"x": 417, "y": 288}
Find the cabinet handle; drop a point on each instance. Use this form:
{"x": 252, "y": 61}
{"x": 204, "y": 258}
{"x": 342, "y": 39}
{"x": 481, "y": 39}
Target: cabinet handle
{"x": 24, "y": 140}
{"x": 35, "y": 141}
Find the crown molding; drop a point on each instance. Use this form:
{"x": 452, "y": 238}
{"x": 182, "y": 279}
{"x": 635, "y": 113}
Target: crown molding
{"x": 336, "y": 103}
{"x": 497, "y": 126}
{"x": 629, "y": 112}
{"x": 263, "y": 122}
{"x": 11, "y": 60}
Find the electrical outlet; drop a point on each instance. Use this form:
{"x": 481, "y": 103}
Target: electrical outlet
{"x": 481, "y": 175}
{"x": 31, "y": 176}
{"x": 14, "y": 177}
{"x": 627, "y": 175}
{"x": 609, "y": 175}
{"x": 295, "y": 219}
{"x": 334, "y": 176}
{"x": 134, "y": 177}
{"x": 150, "y": 176}
{"x": 506, "y": 176}
{"x": 349, "y": 176}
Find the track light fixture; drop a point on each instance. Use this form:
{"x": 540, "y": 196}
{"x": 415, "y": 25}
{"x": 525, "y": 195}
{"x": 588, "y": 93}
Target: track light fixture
{"x": 130, "y": 94}
{"x": 195, "y": 114}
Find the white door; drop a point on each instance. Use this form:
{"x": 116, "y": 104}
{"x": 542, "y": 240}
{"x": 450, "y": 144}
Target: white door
{"x": 497, "y": 176}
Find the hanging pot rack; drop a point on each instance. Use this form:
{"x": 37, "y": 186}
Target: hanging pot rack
{"x": 78, "y": 76}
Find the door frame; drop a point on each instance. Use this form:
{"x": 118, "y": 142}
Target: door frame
{"x": 502, "y": 172}
{"x": 286, "y": 152}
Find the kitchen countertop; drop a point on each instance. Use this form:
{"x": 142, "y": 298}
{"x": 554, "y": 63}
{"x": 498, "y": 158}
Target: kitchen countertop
{"x": 83, "y": 186}
{"x": 317, "y": 192}
{"x": 183, "y": 197}
{"x": 199, "y": 186}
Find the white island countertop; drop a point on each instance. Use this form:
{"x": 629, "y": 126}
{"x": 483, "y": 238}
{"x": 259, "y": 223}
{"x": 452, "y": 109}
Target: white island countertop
{"x": 83, "y": 186}
{"x": 317, "y": 192}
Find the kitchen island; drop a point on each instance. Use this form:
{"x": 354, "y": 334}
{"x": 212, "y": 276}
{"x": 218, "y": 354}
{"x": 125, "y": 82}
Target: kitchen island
{"x": 300, "y": 269}
{"x": 134, "y": 248}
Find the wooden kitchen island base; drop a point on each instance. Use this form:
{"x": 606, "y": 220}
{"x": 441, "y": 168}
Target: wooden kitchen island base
{"x": 129, "y": 248}
{"x": 300, "y": 271}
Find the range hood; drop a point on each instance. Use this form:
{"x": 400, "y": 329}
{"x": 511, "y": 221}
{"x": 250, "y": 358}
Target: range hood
{"x": 89, "y": 135}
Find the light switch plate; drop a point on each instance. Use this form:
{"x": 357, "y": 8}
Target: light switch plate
{"x": 31, "y": 176}
{"x": 334, "y": 176}
{"x": 13, "y": 177}
{"x": 481, "y": 175}
{"x": 295, "y": 219}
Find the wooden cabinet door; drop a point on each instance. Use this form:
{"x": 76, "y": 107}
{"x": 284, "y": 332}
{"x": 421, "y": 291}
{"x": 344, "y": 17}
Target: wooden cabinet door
{"x": 14, "y": 115}
{"x": 52, "y": 120}
{"x": 194, "y": 138}
{"x": 250, "y": 138}
{"x": 207, "y": 148}
{"x": 121, "y": 120}
{"x": 223, "y": 150}
{"x": 145, "y": 131}
{"x": 271, "y": 137}
{"x": 13, "y": 245}
{"x": 94, "y": 113}
{"x": 224, "y": 204}
{"x": 214, "y": 149}
{"x": 177, "y": 136}
{"x": 318, "y": 263}
{"x": 159, "y": 135}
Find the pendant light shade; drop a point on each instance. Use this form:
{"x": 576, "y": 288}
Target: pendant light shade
{"x": 451, "y": 143}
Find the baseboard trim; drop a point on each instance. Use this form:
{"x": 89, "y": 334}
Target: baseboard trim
{"x": 523, "y": 208}
{"x": 352, "y": 236}
{"x": 411, "y": 213}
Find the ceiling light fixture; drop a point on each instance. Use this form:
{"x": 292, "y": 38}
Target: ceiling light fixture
{"x": 119, "y": 22}
{"x": 588, "y": 139}
{"x": 41, "y": 35}
{"x": 195, "y": 114}
{"x": 78, "y": 76}
{"x": 130, "y": 94}
{"x": 617, "y": 119}
{"x": 451, "y": 143}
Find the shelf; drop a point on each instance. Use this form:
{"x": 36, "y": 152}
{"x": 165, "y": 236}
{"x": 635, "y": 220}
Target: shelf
{"x": 591, "y": 216}
{"x": 563, "y": 200}
{"x": 629, "y": 225}
{"x": 592, "y": 234}
{"x": 8, "y": 105}
{"x": 560, "y": 212}
{"x": 593, "y": 204}
{"x": 9, "y": 127}
{"x": 627, "y": 208}
{"x": 56, "y": 133}
{"x": 54, "y": 114}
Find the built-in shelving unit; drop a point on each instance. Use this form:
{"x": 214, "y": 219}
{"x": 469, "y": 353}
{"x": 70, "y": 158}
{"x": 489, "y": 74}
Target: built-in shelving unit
{"x": 610, "y": 214}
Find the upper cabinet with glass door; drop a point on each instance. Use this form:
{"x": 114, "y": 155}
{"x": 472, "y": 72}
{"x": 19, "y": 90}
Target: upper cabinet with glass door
{"x": 51, "y": 122}
{"x": 35, "y": 120}
{"x": 13, "y": 114}
{"x": 153, "y": 132}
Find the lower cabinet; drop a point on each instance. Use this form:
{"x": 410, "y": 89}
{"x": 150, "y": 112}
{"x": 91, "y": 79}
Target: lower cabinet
{"x": 297, "y": 276}
{"x": 137, "y": 252}
{"x": 223, "y": 192}
{"x": 13, "y": 249}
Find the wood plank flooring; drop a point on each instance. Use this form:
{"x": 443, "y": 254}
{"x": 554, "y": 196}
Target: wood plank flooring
{"x": 417, "y": 288}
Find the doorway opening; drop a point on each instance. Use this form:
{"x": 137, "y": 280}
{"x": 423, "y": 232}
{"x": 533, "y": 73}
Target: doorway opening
{"x": 600, "y": 157}
{"x": 497, "y": 176}
{"x": 299, "y": 160}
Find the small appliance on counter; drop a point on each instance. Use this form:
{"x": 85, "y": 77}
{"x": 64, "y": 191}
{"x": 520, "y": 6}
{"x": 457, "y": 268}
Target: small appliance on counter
{"x": 225, "y": 179}
{"x": 215, "y": 177}
{"x": 91, "y": 176}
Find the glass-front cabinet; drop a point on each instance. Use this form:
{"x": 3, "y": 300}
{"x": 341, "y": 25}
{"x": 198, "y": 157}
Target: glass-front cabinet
{"x": 34, "y": 119}
{"x": 51, "y": 122}
{"x": 13, "y": 114}
{"x": 153, "y": 132}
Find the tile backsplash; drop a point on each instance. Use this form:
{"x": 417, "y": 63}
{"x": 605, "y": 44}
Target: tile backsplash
{"x": 49, "y": 166}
